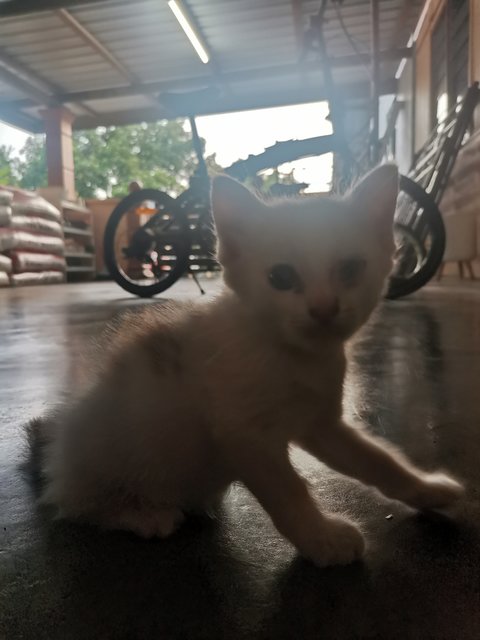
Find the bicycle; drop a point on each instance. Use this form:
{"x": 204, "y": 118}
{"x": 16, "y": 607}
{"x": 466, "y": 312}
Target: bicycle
{"x": 159, "y": 251}
{"x": 177, "y": 235}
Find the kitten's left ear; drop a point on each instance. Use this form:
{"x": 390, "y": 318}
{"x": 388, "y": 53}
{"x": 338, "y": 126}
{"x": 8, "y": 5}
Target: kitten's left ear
{"x": 234, "y": 210}
{"x": 376, "y": 197}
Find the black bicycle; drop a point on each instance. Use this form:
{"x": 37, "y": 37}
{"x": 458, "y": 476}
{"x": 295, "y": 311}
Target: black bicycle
{"x": 152, "y": 239}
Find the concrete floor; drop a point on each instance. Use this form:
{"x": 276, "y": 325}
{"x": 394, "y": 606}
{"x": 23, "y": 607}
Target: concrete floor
{"x": 415, "y": 379}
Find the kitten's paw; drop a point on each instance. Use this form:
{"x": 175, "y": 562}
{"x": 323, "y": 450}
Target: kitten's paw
{"x": 436, "y": 491}
{"x": 339, "y": 542}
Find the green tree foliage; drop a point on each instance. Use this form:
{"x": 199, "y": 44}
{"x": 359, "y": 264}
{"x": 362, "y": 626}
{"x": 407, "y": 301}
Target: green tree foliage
{"x": 7, "y": 166}
{"x": 159, "y": 155}
{"x": 106, "y": 160}
{"x": 32, "y": 166}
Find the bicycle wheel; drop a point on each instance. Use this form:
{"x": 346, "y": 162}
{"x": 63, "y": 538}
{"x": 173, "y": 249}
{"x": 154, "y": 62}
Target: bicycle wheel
{"x": 419, "y": 238}
{"x": 146, "y": 243}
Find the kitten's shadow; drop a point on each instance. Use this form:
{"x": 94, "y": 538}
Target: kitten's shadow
{"x": 314, "y": 603}
{"x": 207, "y": 581}
{"x": 114, "y": 585}
{"x": 412, "y": 574}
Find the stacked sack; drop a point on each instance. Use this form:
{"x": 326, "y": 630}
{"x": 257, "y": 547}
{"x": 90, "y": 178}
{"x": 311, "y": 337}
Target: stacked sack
{"x": 31, "y": 239}
{"x": 5, "y": 218}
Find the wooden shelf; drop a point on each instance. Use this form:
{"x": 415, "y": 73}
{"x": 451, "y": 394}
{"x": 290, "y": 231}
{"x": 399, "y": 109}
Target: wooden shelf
{"x": 77, "y": 216}
{"x": 77, "y": 208}
{"x": 77, "y": 232}
{"x": 80, "y": 240}
{"x": 80, "y": 269}
{"x": 80, "y": 258}
{"x": 79, "y": 254}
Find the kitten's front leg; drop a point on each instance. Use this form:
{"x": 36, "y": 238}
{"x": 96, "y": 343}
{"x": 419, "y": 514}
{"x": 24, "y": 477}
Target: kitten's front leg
{"x": 324, "y": 539}
{"x": 354, "y": 453}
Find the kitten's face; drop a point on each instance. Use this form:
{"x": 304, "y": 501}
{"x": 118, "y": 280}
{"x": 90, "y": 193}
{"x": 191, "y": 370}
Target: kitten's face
{"x": 313, "y": 268}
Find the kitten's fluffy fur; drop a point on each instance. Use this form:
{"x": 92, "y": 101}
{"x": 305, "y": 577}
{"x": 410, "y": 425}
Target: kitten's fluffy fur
{"x": 194, "y": 397}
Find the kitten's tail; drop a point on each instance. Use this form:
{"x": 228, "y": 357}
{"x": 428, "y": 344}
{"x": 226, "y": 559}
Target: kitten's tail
{"x": 39, "y": 433}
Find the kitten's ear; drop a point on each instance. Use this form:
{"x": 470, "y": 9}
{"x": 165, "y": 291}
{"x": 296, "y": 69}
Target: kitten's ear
{"x": 376, "y": 196}
{"x": 234, "y": 208}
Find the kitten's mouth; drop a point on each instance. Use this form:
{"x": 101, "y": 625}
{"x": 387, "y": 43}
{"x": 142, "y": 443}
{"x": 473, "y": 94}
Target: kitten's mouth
{"x": 317, "y": 330}
{"x": 335, "y": 327}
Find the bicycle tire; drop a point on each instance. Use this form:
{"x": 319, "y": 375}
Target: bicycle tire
{"x": 399, "y": 287}
{"x": 122, "y": 208}
{"x": 412, "y": 238}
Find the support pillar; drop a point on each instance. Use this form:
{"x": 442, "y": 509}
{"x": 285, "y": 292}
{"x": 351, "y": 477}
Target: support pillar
{"x": 59, "y": 149}
{"x": 375, "y": 28}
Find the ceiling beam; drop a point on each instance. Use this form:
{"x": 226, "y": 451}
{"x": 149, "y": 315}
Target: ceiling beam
{"x": 96, "y": 45}
{"x": 355, "y": 95}
{"x": 202, "y": 81}
{"x": 21, "y": 120}
{"x": 18, "y": 75}
{"x": 229, "y": 103}
{"x": 286, "y": 70}
{"x": 26, "y": 88}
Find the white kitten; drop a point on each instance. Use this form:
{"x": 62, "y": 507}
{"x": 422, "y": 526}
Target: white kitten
{"x": 194, "y": 397}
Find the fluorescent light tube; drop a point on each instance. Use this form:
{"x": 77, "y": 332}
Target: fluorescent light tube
{"x": 189, "y": 30}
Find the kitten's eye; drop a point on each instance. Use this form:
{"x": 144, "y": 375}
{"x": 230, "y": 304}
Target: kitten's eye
{"x": 350, "y": 271}
{"x": 283, "y": 277}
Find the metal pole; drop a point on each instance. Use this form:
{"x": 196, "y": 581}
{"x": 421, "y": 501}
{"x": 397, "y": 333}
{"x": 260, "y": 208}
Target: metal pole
{"x": 375, "y": 16}
{"x": 413, "y": 116}
{"x": 198, "y": 148}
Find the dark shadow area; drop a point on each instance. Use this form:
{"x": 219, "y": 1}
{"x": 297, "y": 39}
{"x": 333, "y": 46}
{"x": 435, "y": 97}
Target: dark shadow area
{"x": 421, "y": 581}
{"x": 78, "y": 582}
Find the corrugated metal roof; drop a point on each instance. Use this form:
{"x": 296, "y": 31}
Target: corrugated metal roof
{"x": 146, "y": 41}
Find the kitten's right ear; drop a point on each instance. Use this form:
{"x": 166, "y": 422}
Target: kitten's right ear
{"x": 375, "y": 197}
{"x": 234, "y": 208}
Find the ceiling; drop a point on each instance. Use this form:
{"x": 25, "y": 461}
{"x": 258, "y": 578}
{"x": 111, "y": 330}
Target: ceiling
{"x": 115, "y": 62}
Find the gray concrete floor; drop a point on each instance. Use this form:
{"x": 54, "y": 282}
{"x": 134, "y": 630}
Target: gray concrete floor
{"x": 414, "y": 378}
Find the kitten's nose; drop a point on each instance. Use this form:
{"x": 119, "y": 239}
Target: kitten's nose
{"x": 324, "y": 310}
